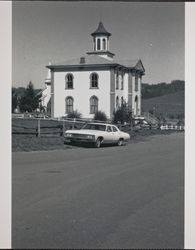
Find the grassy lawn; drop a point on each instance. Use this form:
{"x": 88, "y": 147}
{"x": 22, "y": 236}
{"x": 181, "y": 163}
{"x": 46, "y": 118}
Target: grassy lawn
{"x": 33, "y": 143}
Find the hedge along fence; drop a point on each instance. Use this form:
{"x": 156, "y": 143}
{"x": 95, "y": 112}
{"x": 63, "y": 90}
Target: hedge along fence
{"x": 46, "y": 127}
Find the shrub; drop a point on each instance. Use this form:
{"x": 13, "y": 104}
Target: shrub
{"x": 74, "y": 114}
{"x": 122, "y": 114}
{"x": 100, "y": 116}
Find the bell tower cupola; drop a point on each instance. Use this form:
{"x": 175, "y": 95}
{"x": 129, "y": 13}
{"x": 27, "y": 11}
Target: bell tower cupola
{"x": 101, "y": 42}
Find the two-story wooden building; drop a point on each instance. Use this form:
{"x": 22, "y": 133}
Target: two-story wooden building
{"x": 95, "y": 81}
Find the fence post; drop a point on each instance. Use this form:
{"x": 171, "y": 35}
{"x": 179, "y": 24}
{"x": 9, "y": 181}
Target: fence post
{"x": 38, "y": 128}
{"x": 73, "y": 125}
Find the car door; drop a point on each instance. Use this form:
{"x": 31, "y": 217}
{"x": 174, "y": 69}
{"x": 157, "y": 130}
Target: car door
{"x": 115, "y": 134}
{"x": 108, "y": 138}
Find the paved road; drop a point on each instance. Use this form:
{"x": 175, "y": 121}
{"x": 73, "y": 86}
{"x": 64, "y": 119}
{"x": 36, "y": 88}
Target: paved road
{"x": 112, "y": 197}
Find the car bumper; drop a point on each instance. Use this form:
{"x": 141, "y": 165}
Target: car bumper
{"x": 77, "y": 139}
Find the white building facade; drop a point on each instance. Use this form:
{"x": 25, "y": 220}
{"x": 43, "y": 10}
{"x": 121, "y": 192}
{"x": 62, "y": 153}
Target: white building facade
{"x": 95, "y": 82}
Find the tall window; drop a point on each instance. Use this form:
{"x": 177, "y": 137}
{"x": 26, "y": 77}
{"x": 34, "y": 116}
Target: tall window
{"x": 69, "y": 104}
{"x": 122, "y": 81}
{"x": 93, "y": 104}
{"x": 104, "y": 44}
{"x": 98, "y": 44}
{"x": 117, "y": 102}
{"x": 136, "y": 83}
{"x": 117, "y": 80}
{"x": 69, "y": 81}
{"x": 122, "y": 101}
{"x": 94, "y": 80}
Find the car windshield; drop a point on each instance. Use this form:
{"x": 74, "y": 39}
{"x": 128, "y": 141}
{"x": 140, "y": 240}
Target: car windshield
{"x": 94, "y": 126}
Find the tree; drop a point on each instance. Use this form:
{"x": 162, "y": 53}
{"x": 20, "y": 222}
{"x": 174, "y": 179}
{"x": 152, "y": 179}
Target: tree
{"x": 100, "y": 116}
{"x": 122, "y": 114}
{"x": 14, "y": 99}
{"x": 30, "y": 100}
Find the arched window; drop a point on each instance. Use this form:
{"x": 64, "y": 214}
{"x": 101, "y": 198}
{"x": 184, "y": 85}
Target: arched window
{"x": 94, "y": 80}
{"x": 136, "y": 83}
{"x": 117, "y": 102}
{"x": 98, "y": 44}
{"x": 122, "y": 100}
{"x": 69, "y": 104}
{"x": 117, "y": 80}
{"x": 104, "y": 43}
{"x": 136, "y": 105}
{"x": 69, "y": 81}
{"x": 93, "y": 104}
{"x": 122, "y": 81}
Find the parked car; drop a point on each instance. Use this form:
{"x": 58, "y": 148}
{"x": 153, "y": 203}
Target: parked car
{"x": 97, "y": 134}
{"x": 142, "y": 123}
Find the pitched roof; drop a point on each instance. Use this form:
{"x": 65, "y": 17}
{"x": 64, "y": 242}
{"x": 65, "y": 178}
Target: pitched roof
{"x": 95, "y": 60}
{"x": 101, "y": 30}
{"x": 92, "y": 59}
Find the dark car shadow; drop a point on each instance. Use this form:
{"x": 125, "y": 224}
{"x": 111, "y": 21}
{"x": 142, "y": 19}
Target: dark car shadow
{"x": 87, "y": 145}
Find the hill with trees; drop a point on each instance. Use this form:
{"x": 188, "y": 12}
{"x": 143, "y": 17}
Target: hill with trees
{"x": 164, "y": 100}
{"x": 154, "y": 90}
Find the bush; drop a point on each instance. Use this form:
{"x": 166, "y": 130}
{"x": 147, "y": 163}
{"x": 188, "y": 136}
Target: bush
{"x": 122, "y": 114}
{"x": 74, "y": 114}
{"x": 100, "y": 116}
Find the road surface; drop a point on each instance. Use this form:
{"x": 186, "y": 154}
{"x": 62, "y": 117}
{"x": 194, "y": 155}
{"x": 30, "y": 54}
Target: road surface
{"x": 112, "y": 197}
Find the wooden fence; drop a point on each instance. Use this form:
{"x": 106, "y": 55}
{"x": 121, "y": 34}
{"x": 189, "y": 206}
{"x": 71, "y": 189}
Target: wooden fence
{"x": 57, "y": 127}
{"x": 46, "y": 127}
{"x": 171, "y": 127}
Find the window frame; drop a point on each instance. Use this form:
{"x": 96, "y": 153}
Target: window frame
{"x": 117, "y": 80}
{"x": 67, "y": 81}
{"x": 122, "y": 100}
{"x": 68, "y": 109}
{"x": 98, "y": 44}
{"x": 114, "y": 129}
{"x": 109, "y": 126}
{"x": 104, "y": 43}
{"x": 93, "y": 104}
{"x": 93, "y": 81}
{"x": 122, "y": 81}
{"x": 117, "y": 102}
{"x": 136, "y": 82}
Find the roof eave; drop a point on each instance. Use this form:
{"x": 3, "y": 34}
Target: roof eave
{"x": 80, "y": 66}
{"x": 101, "y": 33}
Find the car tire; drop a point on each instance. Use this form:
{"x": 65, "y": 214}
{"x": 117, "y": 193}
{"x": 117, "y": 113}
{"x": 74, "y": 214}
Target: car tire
{"x": 120, "y": 142}
{"x": 98, "y": 143}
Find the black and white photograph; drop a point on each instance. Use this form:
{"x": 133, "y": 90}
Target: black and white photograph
{"x": 98, "y": 125}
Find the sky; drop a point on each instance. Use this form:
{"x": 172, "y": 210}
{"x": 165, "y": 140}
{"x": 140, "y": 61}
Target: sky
{"x": 44, "y": 32}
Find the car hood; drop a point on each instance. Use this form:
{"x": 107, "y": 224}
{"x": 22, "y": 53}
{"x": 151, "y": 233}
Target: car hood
{"x": 85, "y": 131}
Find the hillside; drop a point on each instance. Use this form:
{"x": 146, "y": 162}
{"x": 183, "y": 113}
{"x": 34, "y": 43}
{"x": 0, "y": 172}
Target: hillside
{"x": 170, "y": 105}
{"x": 154, "y": 90}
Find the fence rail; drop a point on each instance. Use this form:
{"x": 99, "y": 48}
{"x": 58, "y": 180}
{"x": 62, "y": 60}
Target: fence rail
{"x": 44, "y": 126}
{"x": 171, "y": 127}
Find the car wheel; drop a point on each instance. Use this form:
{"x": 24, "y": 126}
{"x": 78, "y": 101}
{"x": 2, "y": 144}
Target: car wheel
{"x": 98, "y": 143}
{"x": 120, "y": 142}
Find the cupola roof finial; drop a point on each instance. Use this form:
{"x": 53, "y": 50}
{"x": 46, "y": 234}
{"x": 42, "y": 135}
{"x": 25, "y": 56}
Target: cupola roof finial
{"x": 101, "y": 30}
